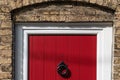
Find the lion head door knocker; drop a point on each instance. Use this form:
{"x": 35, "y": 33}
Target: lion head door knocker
{"x": 63, "y": 70}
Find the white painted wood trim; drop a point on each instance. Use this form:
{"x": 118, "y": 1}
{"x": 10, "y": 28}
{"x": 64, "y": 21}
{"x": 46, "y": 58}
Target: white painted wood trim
{"x": 104, "y": 54}
{"x": 104, "y": 47}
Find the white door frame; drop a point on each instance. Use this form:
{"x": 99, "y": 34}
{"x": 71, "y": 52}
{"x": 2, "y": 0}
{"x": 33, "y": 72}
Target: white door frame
{"x": 104, "y": 44}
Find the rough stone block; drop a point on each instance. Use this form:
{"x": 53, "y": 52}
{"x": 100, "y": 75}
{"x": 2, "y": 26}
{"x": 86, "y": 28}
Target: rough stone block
{"x": 117, "y": 24}
{"x": 93, "y": 1}
{"x": 2, "y": 16}
{"x": 100, "y": 2}
{"x": 18, "y": 3}
{"x": 6, "y": 39}
{"x": 117, "y": 7}
{"x": 5, "y": 16}
{"x": 62, "y": 18}
{"x": 6, "y": 67}
{"x": 6, "y": 53}
{"x": 65, "y": 12}
{"x": 117, "y": 46}
{"x": 5, "y": 9}
{"x": 31, "y": 1}
{"x": 117, "y": 17}
{"x": 105, "y": 2}
{"x": 117, "y": 53}
{"x": 117, "y": 68}
{"x": 6, "y": 46}
{"x": 114, "y": 3}
{"x": 116, "y": 60}
{"x": 46, "y": 12}
{"x": 5, "y": 60}
{"x": 117, "y": 39}
{"x": 5, "y": 75}
{"x": 12, "y": 4}
{"x": 5, "y": 32}
{"x": 117, "y": 31}
{"x": 6, "y": 24}
{"x": 116, "y": 76}
{"x": 54, "y": 12}
{"x": 3, "y": 2}
{"x": 25, "y": 2}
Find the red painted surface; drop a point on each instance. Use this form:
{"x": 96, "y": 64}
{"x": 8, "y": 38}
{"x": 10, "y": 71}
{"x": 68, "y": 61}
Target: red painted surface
{"x": 47, "y": 51}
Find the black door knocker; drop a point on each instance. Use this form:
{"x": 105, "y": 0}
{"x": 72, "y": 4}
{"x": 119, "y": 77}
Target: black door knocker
{"x": 63, "y": 70}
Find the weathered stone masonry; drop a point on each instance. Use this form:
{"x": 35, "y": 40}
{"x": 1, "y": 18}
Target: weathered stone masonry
{"x": 12, "y": 11}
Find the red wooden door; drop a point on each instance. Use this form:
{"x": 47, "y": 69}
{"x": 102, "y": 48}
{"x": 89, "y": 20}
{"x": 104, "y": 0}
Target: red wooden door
{"x": 77, "y": 51}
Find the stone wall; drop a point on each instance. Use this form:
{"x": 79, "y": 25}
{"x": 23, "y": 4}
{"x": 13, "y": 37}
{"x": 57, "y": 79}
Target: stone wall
{"x": 12, "y": 11}
{"x": 63, "y": 13}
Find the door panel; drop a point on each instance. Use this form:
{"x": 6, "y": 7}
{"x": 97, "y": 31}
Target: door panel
{"x": 77, "y": 51}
